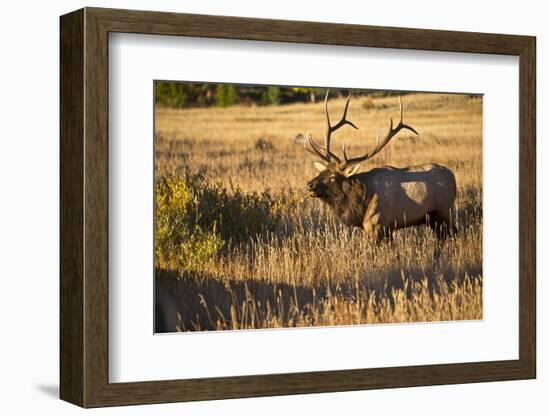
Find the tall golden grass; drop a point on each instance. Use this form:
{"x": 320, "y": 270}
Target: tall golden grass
{"x": 309, "y": 270}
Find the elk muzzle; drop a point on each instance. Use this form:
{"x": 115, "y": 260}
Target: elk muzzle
{"x": 315, "y": 188}
{"x": 320, "y": 187}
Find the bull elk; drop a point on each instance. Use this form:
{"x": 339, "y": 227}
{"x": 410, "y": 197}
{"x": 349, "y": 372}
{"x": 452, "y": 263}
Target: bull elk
{"x": 383, "y": 199}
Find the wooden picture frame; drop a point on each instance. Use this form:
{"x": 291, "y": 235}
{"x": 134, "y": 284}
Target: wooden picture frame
{"x": 84, "y": 207}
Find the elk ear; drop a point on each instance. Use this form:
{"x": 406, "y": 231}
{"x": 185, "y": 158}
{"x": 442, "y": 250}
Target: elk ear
{"x": 319, "y": 166}
{"x": 353, "y": 170}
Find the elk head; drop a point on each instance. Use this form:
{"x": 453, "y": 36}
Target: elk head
{"x": 333, "y": 181}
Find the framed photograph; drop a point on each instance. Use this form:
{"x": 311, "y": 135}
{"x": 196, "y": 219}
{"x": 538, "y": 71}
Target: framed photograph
{"x": 256, "y": 207}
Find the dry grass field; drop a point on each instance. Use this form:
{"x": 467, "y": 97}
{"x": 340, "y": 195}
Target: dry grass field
{"x": 304, "y": 268}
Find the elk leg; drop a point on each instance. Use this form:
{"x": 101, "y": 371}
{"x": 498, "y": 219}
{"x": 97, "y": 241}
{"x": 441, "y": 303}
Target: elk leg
{"x": 441, "y": 225}
{"x": 437, "y": 224}
{"x": 375, "y": 233}
{"x": 371, "y": 222}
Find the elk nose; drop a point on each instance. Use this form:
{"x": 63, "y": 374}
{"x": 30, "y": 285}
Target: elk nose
{"x": 310, "y": 186}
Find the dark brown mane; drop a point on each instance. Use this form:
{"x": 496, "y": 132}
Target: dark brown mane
{"x": 349, "y": 202}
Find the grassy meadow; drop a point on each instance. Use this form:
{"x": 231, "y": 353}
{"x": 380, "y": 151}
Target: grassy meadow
{"x": 240, "y": 245}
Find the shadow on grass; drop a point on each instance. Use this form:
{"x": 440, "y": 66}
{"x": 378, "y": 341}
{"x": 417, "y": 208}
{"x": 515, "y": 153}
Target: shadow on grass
{"x": 196, "y": 301}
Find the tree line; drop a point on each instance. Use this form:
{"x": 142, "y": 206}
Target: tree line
{"x": 186, "y": 95}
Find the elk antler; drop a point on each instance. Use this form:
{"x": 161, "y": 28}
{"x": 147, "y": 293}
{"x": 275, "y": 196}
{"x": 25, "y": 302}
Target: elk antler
{"x": 319, "y": 151}
{"x": 328, "y": 156}
{"x": 379, "y": 146}
{"x": 343, "y": 121}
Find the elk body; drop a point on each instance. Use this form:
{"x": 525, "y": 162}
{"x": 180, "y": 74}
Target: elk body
{"x": 383, "y": 199}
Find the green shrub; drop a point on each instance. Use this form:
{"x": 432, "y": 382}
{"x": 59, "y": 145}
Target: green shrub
{"x": 170, "y": 94}
{"x": 194, "y": 219}
{"x": 226, "y": 95}
{"x": 271, "y": 96}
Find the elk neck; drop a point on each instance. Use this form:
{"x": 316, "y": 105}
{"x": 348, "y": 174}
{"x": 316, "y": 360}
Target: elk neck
{"x": 350, "y": 205}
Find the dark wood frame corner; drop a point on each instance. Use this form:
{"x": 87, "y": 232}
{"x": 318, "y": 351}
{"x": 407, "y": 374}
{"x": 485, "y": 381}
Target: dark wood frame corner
{"x": 84, "y": 207}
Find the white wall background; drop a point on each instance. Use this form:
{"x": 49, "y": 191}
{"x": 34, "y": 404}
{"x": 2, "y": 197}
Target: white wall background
{"x": 29, "y": 159}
